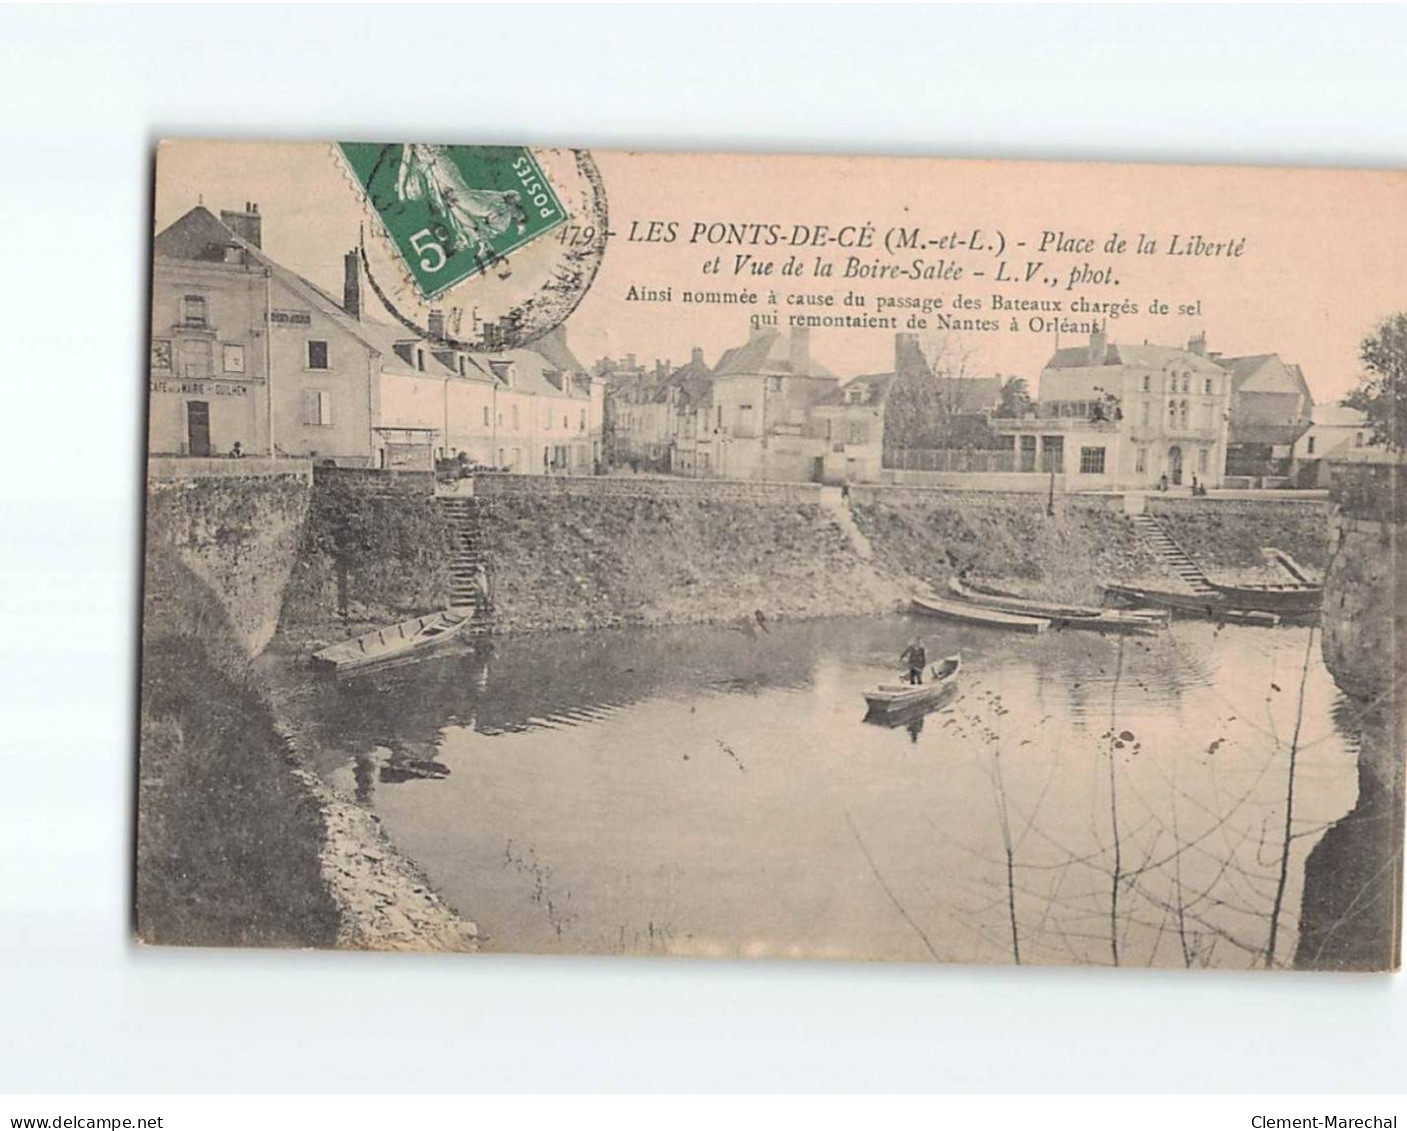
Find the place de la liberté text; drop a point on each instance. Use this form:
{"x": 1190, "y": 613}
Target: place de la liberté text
{"x": 978, "y": 279}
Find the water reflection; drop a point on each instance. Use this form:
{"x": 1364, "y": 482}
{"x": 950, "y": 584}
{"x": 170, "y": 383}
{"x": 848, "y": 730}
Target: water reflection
{"x": 714, "y": 791}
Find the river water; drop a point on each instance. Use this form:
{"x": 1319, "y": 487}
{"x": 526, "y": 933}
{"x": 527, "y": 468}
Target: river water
{"x": 716, "y": 791}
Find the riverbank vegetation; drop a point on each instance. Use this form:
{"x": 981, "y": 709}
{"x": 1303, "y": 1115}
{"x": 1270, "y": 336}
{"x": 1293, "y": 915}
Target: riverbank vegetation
{"x": 573, "y": 563}
{"x": 1062, "y": 557}
{"x": 228, "y": 840}
{"x": 1227, "y": 536}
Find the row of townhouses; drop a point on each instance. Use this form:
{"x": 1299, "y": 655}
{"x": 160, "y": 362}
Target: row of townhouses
{"x": 245, "y": 351}
{"x": 1107, "y": 415}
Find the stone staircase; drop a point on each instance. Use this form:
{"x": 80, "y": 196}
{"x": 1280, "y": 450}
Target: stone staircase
{"x": 834, "y": 504}
{"x": 470, "y": 555}
{"x": 1152, "y": 534}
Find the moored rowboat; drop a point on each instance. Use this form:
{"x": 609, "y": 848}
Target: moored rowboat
{"x": 973, "y": 614}
{"x": 1212, "y": 605}
{"x": 1296, "y": 599}
{"x": 1064, "y": 616}
{"x": 394, "y": 641}
{"x": 888, "y": 698}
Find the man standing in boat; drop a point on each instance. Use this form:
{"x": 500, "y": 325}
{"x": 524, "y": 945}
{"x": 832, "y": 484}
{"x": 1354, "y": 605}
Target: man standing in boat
{"x": 917, "y": 659}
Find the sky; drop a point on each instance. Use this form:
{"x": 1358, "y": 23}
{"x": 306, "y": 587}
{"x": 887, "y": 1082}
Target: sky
{"x": 1322, "y": 257}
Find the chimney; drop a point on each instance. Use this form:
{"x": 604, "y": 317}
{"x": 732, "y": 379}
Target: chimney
{"x": 1198, "y": 345}
{"x": 247, "y": 225}
{"x": 908, "y": 355}
{"x": 696, "y": 358}
{"x": 352, "y": 285}
{"x": 630, "y": 361}
{"x": 800, "y": 350}
{"x": 661, "y": 369}
{"x": 1098, "y": 347}
{"x": 436, "y": 325}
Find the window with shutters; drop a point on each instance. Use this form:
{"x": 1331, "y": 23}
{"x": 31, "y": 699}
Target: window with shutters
{"x": 317, "y": 408}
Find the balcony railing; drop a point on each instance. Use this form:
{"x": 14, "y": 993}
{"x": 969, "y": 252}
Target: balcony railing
{"x": 1052, "y": 424}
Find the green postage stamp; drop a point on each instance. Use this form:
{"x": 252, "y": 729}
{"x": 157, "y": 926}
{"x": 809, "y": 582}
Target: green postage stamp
{"x": 453, "y": 211}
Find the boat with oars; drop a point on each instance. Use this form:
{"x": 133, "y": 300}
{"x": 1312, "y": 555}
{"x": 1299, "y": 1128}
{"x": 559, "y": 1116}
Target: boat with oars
{"x": 395, "y": 642}
{"x": 1062, "y": 616}
{"x": 893, "y": 698}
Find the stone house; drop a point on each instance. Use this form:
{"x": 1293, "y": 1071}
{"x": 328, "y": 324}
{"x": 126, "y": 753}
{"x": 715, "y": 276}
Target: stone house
{"x": 1270, "y": 409}
{"x": 1111, "y": 415}
{"x": 322, "y": 379}
{"x": 1334, "y": 432}
{"x": 850, "y": 421}
{"x": 762, "y": 395}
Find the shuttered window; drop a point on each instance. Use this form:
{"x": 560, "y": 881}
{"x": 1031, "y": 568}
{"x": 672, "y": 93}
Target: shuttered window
{"x": 317, "y": 407}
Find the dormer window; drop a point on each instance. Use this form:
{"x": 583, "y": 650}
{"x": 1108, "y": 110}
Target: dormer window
{"x": 193, "y": 311}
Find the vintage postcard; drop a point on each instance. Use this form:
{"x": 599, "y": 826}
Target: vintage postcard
{"x": 573, "y": 552}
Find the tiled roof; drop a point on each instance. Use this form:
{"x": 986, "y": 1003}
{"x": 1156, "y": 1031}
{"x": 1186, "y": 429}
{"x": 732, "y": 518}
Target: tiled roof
{"x": 1338, "y": 416}
{"x": 553, "y": 346}
{"x": 867, "y": 389}
{"x": 1272, "y": 434}
{"x": 1261, "y": 373}
{"x": 537, "y": 375}
{"x": 767, "y": 352}
{"x": 1137, "y": 356}
{"x": 200, "y": 236}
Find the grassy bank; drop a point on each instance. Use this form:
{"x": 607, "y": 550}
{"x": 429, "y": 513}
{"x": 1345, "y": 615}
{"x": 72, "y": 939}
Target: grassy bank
{"x": 228, "y": 840}
{"x": 574, "y": 563}
{"x": 1225, "y": 537}
{"x": 932, "y": 535}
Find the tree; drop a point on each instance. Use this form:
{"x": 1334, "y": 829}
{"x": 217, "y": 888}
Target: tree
{"x": 1015, "y": 398}
{"x": 1382, "y": 389}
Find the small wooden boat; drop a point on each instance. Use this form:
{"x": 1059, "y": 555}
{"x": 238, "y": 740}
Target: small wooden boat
{"x": 395, "y": 641}
{"x": 973, "y": 614}
{"x": 1293, "y": 599}
{"x": 1214, "y": 606}
{"x": 892, "y": 698}
{"x": 1063, "y": 616}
